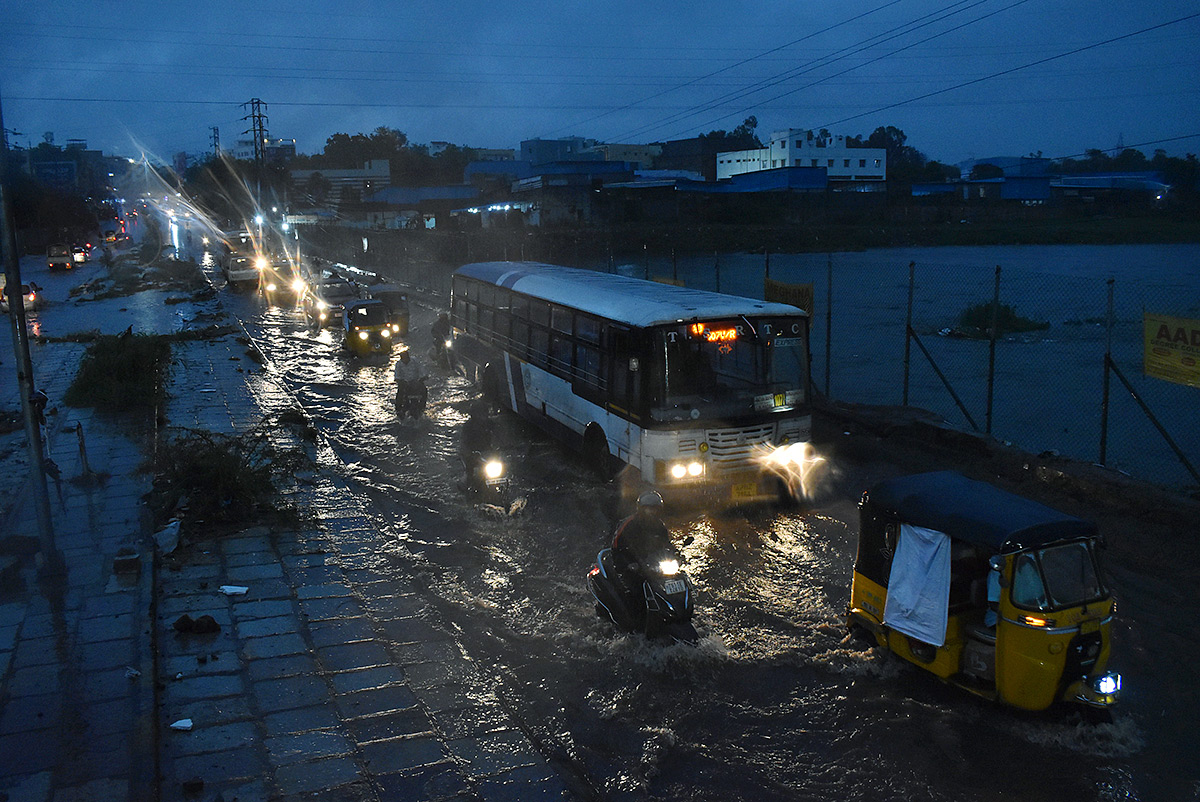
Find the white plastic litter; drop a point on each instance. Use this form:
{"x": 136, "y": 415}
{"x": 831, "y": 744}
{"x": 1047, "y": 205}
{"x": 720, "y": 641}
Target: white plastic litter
{"x": 167, "y": 538}
{"x": 183, "y": 725}
{"x": 234, "y": 590}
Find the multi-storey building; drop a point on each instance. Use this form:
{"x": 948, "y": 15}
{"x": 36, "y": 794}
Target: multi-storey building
{"x": 863, "y": 169}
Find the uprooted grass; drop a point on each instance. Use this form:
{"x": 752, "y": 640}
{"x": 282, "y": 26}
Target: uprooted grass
{"x": 121, "y": 372}
{"x": 220, "y": 478}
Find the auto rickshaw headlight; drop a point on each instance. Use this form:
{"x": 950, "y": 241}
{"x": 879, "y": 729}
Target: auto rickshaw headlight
{"x": 1107, "y": 683}
{"x": 362, "y": 335}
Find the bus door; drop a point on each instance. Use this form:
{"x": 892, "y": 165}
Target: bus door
{"x": 626, "y": 368}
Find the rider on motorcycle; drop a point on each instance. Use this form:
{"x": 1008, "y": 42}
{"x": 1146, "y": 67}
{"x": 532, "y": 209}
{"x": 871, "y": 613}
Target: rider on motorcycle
{"x": 440, "y": 332}
{"x": 476, "y": 438}
{"x": 410, "y": 378}
{"x": 641, "y": 537}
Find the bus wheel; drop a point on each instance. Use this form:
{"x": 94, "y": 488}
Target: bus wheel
{"x": 595, "y": 451}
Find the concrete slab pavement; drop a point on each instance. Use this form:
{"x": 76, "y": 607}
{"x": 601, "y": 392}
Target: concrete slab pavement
{"x": 328, "y": 678}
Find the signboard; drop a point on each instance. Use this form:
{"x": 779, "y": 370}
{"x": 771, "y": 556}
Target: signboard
{"x": 58, "y": 175}
{"x": 1172, "y": 349}
{"x": 800, "y": 295}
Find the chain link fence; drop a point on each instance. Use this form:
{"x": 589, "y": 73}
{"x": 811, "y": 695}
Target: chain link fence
{"x": 1040, "y": 383}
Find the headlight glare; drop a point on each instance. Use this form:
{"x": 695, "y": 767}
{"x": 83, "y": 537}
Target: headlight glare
{"x": 669, "y": 567}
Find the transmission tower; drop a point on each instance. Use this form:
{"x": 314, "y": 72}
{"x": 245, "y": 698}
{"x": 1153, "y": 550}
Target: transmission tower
{"x": 216, "y": 141}
{"x": 258, "y": 127}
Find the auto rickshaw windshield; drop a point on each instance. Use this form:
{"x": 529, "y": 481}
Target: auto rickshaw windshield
{"x": 1056, "y": 577}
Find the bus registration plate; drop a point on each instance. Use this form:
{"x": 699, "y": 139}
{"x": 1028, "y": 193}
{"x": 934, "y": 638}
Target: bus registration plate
{"x": 674, "y": 586}
{"x": 745, "y": 490}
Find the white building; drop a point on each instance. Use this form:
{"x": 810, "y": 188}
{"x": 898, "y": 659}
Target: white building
{"x": 796, "y": 147}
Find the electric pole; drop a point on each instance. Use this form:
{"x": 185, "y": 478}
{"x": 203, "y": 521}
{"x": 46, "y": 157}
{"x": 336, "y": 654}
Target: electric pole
{"x": 216, "y": 141}
{"x": 50, "y": 561}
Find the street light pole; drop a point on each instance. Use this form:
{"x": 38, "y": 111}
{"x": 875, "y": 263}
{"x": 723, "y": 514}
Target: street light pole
{"x": 50, "y": 561}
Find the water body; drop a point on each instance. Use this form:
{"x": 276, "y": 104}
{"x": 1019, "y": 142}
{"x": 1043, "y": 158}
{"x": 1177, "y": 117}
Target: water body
{"x": 1048, "y": 385}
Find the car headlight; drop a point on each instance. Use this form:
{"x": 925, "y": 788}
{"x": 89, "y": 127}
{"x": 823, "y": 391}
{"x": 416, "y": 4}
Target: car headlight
{"x": 668, "y": 567}
{"x": 298, "y": 285}
{"x": 260, "y": 263}
{"x": 323, "y": 316}
{"x": 385, "y": 333}
{"x": 362, "y": 335}
{"x": 493, "y": 469}
{"x": 322, "y": 305}
{"x": 449, "y": 343}
{"x": 395, "y": 329}
{"x": 271, "y": 287}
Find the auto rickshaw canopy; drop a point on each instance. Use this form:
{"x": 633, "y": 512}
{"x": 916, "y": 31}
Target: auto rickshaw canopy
{"x": 975, "y": 512}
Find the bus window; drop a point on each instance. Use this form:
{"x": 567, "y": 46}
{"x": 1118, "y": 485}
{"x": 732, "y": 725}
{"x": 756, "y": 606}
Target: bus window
{"x": 520, "y": 335}
{"x": 539, "y": 346}
{"x": 520, "y": 306}
{"x": 587, "y": 329}
{"x": 487, "y": 295}
{"x": 487, "y": 328}
{"x": 539, "y": 311}
{"x": 561, "y": 356}
{"x": 560, "y": 319}
{"x": 789, "y": 364}
{"x": 587, "y": 364}
{"x": 472, "y": 290}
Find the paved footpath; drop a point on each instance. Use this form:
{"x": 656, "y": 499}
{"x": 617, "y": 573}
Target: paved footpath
{"x": 329, "y": 678}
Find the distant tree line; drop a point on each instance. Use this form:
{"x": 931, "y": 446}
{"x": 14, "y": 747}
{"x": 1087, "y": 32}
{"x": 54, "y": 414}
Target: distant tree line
{"x": 411, "y": 164}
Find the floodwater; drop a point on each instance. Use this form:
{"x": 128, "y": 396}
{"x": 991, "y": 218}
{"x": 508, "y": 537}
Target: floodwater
{"x": 1049, "y": 383}
{"x": 776, "y": 702}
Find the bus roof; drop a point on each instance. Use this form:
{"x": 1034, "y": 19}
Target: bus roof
{"x": 976, "y": 512}
{"x": 628, "y": 300}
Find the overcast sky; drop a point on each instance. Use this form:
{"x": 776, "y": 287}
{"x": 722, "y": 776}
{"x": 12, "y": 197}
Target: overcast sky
{"x": 967, "y": 79}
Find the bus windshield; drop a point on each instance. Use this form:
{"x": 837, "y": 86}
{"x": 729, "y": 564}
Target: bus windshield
{"x": 723, "y": 367}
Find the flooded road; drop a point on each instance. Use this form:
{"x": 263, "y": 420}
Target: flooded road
{"x": 776, "y": 702}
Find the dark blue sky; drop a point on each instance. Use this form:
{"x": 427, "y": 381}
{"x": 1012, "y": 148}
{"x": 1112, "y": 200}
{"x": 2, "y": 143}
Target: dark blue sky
{"x": 1032, "y": 75}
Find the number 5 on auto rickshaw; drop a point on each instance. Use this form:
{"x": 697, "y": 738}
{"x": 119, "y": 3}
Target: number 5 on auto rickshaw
{"x": 988, "y": 590}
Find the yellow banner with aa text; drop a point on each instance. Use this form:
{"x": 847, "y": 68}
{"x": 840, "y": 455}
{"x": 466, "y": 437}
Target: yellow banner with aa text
{"x": 1172, "y": 349}
{"x": 800, "y": 295}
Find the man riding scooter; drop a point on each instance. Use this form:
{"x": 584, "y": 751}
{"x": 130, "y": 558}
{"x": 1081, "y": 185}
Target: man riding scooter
{"x": 640, "y": 539}
{"x": 411, "y": 392}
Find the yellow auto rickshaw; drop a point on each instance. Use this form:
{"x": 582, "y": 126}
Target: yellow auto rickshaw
{"x": 988, "y": 590}
{"x": 366, "y": 327}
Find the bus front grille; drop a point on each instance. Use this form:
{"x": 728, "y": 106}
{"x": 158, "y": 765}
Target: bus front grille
{"x": 733, "y": 450}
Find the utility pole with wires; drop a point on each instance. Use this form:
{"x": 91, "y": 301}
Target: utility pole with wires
{"x": 50, "y": 560}
{"x": 258, "y": 128}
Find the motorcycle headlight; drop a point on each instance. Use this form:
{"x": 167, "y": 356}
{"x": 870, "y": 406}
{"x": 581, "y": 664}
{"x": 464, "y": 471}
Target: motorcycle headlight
{"x": 668, "y": 567}
{"x": 449, "y": 343}
{"x": 362, "y": 335}
{"x": 493, "y": 469}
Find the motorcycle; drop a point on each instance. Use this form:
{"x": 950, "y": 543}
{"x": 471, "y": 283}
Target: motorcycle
{"x": 487, "y": 475}
{"x": 411, "y": 400}
{"x": 656, "y": 602}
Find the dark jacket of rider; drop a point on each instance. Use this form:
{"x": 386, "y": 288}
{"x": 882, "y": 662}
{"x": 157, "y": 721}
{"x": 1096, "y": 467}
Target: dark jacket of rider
{"x": 476, "y": 431}
{"x": 642, "y": 536}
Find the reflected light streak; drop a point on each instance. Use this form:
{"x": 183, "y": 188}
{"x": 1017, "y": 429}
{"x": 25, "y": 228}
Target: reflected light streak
{"x": 797, "y": 464}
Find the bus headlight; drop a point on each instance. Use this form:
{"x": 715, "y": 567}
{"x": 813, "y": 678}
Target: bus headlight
{"x": 695, "y": 468}
{"x": 678, "y": 470}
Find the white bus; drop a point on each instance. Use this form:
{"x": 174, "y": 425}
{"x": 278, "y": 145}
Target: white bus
{"x": 697, "y": 390}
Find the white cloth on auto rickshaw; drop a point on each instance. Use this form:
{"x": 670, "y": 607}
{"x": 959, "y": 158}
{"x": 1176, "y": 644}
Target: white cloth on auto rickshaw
{"x": 918, "y": 593}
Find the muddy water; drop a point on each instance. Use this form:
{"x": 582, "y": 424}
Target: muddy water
{"x": 776, "y": 703}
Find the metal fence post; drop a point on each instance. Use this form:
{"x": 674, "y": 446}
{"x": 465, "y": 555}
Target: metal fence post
{"x": 828, "y": 319}
{"x": 991, "y": 378}
{"x": 1107, "y": 361}
{"x": 912, "y": 271}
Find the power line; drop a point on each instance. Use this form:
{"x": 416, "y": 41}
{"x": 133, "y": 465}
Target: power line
{"x": 1013, "y": 69}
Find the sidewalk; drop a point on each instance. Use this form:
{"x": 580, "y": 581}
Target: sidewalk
{"x": 328, "y": 679}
